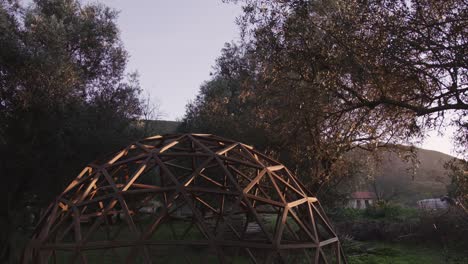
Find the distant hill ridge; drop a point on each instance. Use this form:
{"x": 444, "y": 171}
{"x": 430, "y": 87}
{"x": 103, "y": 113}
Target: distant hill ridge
{"x": 402, "y": 182}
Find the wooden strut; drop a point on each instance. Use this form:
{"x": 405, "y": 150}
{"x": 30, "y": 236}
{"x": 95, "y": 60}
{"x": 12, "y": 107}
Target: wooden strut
{"x": 174, "y": 195}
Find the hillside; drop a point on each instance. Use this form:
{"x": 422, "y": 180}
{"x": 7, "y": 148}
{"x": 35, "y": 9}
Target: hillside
{"x": 401, "y": 181}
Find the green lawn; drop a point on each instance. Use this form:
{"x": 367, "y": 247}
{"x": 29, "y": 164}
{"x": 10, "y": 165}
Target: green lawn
{"x": 404, "y": 253}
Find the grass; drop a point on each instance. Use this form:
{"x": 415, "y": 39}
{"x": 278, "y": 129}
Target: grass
{"x": 403, "y": 253}
{"x": 163, "y": 253}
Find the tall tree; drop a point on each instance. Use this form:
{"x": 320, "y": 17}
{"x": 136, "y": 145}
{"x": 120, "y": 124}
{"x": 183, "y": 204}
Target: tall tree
{"x": 276, "y": 106}
{"x": 320, "y": 78}
{"x": 407, "y": 56}
{"x": 64, "y": 98}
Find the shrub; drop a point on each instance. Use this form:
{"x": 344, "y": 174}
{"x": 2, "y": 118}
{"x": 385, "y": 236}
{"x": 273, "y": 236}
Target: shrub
{"x": 391, "y": 212}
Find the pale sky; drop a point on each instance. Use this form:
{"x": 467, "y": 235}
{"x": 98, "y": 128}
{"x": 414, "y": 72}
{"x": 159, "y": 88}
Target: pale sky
{"x": 173, "y": 45}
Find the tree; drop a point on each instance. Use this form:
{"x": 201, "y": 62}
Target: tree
{"x": 458, "y": 188}
{"x": 408, "y": 57}
{"x": 320, "y": 78}
{"x": 295, "y": 114}
{"x": 64, "y": 98}
{"x": 220, "y": 107}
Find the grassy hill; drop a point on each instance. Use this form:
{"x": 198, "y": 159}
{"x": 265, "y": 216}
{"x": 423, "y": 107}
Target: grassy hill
{"x": 405, "y": 182}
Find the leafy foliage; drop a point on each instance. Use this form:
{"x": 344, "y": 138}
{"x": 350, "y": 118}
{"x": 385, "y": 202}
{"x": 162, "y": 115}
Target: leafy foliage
{"x": 64, "y": 97}
{"x": 408, "y": 56}
{"x": 458, "y": 188}
{"x": 320, "y": 78}
{"x": 381, "y": 211}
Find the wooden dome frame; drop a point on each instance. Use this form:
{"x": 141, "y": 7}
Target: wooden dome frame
{"x": 237, "y": 203}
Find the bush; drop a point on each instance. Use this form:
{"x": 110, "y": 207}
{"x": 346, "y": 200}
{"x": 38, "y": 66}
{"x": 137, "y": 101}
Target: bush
{"x": 391, "y": 212}
{"x": 383, "y": 221}
{"x": 345, "y": 214}
{"x": 380, "y": 211}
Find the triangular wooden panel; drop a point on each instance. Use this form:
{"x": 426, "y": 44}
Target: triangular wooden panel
{"x": 185, "y": 198}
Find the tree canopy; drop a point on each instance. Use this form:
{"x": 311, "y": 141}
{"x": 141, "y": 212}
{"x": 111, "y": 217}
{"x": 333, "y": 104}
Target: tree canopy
{"x": 320, "y": 78}
{"x": 65, "y": 97}
{"x": 408, "y": 56}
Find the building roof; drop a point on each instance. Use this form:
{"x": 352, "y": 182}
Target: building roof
{"x": 363, "y": 195}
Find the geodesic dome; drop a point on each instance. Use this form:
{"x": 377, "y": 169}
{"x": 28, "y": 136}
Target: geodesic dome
{"x": 187, "y": 198}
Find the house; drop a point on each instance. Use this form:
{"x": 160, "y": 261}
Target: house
{"x": 361, "y": 200}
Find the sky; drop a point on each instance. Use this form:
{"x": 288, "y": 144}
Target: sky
{"x": 174, "y": 44}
